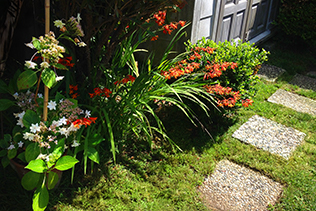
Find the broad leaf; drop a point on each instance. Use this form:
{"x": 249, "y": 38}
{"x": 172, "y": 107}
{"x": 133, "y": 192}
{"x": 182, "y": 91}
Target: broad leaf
{"x": 60, "y": 66}
{"x": 30, "y": 117}
{"x": 3, "y": 153}
{"x": 38, "y": 166}
{"x": 30, "y": 180}
{"x": 65, "y": 163}
{"x": 21, "y": 156}
{"x": 48, "y": 77}
{"x": 31, "y": 152}
{"x": 93, "y": 155}
{"x": 26, "y": 79}
{"x": 40, "y": 198}
{"x": 12, "y": 153}
{"x": 5, "y": 104}
{"x": 5, "y": 161}
{"x": 52, "y": 180}
{"x": 36, "y": 43}
{"x": 3, "y": 87}
{"x": 95, "y": 139}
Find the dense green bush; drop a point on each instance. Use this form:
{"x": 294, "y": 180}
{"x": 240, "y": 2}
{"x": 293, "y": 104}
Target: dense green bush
{"x": 297, "y": 17}
{"x": 227, "y": 71}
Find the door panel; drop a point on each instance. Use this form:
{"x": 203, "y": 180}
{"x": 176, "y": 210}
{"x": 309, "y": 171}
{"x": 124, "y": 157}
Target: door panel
{"x": 232, "y": 20}
{"x": 258, "y": 17}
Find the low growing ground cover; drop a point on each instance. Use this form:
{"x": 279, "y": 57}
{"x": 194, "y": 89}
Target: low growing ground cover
{"x": 163, "y": 178}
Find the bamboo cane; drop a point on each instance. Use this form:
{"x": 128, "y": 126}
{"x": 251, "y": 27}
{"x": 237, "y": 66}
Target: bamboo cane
{"x": 46, "y": 90}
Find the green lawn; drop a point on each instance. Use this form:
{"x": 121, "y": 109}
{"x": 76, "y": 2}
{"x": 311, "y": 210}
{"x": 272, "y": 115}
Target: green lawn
{"x": 164, "y": 178}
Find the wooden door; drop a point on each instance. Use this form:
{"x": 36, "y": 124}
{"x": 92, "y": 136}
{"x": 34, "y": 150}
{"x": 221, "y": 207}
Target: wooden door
{"x": 232, "y": 20}
{"x": 257, "y": 18}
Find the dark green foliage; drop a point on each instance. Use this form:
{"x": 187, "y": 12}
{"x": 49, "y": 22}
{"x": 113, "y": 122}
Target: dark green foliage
{"x": 298, "y": 18}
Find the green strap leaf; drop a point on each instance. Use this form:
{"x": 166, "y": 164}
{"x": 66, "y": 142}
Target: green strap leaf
{"x": 65, "y": 163}
{"x": 38, "y": 166}
{"x": 48, "y": 77}
{"x": 30, "y": 180}
{"x": 93, "y": 155}
{"x": 5, "y": 104}
{"x": 26, "y": 79}
{"x": 52, "y": 180}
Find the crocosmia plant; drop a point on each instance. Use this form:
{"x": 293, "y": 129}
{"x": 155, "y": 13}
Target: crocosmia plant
{"x": 47, "y": 134}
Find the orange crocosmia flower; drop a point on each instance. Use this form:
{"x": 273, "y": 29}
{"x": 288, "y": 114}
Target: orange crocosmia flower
{"x": 75, "y": 95}
{"x": 154, "y": 38}
{"x": 92, "y": 95}
{"x": 131, "y": 78}
{"x": 173, "y": 26}
{"x": 233, "y": 65}
{"x": 182, "y": 23}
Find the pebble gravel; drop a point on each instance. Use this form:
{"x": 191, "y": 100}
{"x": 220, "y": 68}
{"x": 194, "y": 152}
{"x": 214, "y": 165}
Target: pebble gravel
{"x": 270, "y": 136}
{"x": 270, "y": 72}
{"x": 237, "y": 188}
{"x": 294, "y": 101}
{"x": 304, "y": 82}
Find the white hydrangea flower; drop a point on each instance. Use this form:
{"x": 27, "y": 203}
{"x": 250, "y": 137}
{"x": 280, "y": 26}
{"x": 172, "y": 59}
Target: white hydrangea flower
{"x": 52, "y": 105}
{"x": 63, "y": 121}
{"x": 87, "y": 114}
{"x": 20, "y": 123}
{"x": 28, "y": 136}
{"x": 44, "y": 65}
{"x": 59, "y": 78}
{"x": 75, "y": 144}
{"x": 30, "y": 45}
{"x": 20, "y": 144}
{"x": 30, "y": 64}
{"x": 35, "y": 128}
{"x": 11, "y": 147}
{"x": 59, "y": 23}
{"x": 16, "y": 95}
{"x": 64, "y": 131}
{"x": 40, "y": 95}
{"x": 82, "y": 44}
{"x": 79, "y": 18}
{"x": 72, "y": 128}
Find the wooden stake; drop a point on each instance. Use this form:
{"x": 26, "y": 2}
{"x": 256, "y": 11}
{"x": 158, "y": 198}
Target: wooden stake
{"x": 47, "y": 27}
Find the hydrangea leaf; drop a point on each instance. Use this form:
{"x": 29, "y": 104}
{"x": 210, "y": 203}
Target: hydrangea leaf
{"x": 52, "y": 180}
{"x": 5, "y": 104}
{"x": 38, "y": 166}
{"x": 93, "y": 155}
{"x": 30, "y": 180}
{"x": 29, "y": 118}
{"x": 65, "y": 163}
{"x": 48, "y": 77}
{"x": 31, "y": 152}
{"x": 40, "y": 198}
{"x": 26, "y": 79}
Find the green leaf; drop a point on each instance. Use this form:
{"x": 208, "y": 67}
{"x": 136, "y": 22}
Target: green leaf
{"x": 60, "y": 66}
{"x": 38, "y": 166}
{"x": 3, "y": 153}
{"x": 93, "y": 155}
{"x": 30, "y": 117}
{"x": 12, "y": 153}
{"x": 26, "y": 79}
{"x": 40, "y": 198}
{"x": 65, "y": 163}
{"x": 5, "y": 161}
{"x": 5, "y": 104}
{"x": 48, "y": 77}
{"x": 95, "y": 139}
{"x": 21, "y": 156}
{"x": 30, "y": 180}
{"x": 31, "y": 152}
{"x": 52, "y": 180}
{"x": 3, "y": 87}
{"x": 36, "y": 43}
{"x": 57, "y": 153}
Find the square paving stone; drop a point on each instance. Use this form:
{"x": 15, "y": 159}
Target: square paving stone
{"x": 269, "y": 136}
{"x": 304, "y": 82}
{"x": 294, "y": 101}
{"x": 270, "y": 72}
{"x": 234, "y": 188}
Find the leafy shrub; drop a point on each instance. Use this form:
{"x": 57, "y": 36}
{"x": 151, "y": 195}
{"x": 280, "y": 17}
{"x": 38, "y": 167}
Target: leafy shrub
{"x": 227, "y": 71}
{"x": 297, "y": 17}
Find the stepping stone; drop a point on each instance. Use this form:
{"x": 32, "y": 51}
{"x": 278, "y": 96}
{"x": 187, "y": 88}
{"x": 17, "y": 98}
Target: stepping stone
{"x": 269, "y": 136}
{"x": 270, "y": 72}
{"x": 234, "y": 188}
{"x": 304, "y": 82}
{"x": 294, "y": 101}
